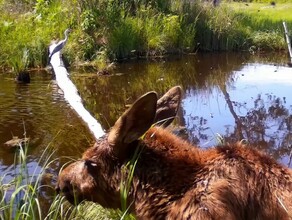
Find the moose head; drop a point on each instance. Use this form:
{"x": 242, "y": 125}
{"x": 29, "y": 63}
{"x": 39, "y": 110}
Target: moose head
{"x": 172, "y": 179}
{"x": 97, "y": 176}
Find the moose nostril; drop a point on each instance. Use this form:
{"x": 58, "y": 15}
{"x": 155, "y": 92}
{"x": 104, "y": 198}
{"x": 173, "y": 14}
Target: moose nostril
{"x": 87, "y": 163}
{"x": 57, "y": 188}
{"x": 65, "y": 189}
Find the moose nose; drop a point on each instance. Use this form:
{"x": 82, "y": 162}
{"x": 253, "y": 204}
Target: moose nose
{"x": 57, "y": 189}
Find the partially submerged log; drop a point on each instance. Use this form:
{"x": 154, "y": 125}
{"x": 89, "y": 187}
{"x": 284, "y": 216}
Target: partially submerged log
{"x": 16, "y": 142}
{"x": 71, "y": 93}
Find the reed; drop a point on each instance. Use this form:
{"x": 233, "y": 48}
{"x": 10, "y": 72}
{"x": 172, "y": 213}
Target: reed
{"x": 21, "y": 194}
{"x": 118, "y": 30}
{"x": 21, "y": 197}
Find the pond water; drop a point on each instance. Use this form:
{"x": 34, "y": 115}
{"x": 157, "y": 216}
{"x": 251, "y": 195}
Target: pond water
{"x": 228, "y": 95}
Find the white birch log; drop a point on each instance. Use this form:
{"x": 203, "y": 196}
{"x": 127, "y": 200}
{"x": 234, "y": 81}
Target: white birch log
{"x": 71, "y": 94}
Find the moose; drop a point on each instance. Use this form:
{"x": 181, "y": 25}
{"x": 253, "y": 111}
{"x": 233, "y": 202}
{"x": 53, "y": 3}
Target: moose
{"x": 173, "y": 179}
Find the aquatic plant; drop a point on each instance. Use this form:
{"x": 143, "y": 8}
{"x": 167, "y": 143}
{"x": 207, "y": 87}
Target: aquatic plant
{"x": 21, "y": 195}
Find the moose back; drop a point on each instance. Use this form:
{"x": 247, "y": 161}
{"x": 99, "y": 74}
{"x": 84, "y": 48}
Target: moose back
{"x": 173, "y": 179}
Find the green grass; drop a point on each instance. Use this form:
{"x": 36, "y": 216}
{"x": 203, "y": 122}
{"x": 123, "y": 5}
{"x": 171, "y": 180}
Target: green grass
{"x": 126, "y": 183}
{"x": 263, "y": 16}
{"x": 21, "y": 197}
{"x": 264, "y": 11}
{"x": 263, "y": 23}
{"x": 105, "y": 31}
{"x": 61, "y": 210}
{"x": 241, "y": 26}
{"x": 29, "y": 32}
{"x": 20, "y": 194}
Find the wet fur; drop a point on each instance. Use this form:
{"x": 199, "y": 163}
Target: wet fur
{"x": 175, "y": 180}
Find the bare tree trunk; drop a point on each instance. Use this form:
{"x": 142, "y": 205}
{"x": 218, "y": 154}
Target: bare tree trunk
{"x": 233, "y": 113}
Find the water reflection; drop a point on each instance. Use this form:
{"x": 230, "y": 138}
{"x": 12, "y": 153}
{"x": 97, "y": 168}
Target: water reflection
{"x": 225, "y": 94}
{"x": 106, "y": 96}
{"x": 38, "y": 110}
{"x": 236, "y": 95}
{"x": 254, "y": 107}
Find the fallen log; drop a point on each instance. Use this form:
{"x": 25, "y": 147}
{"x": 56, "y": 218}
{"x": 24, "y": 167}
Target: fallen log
{"x": 71, "y": 93}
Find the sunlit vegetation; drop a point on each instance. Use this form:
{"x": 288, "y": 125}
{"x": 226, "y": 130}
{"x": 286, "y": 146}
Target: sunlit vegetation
{"x": 20, "y": 196}
{"x": 105, "y": 31}
{"x": 158, "y": 76}
{"x": 263, "y": 23}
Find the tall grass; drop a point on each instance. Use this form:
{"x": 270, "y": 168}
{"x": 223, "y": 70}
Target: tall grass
{"x": 112, "y": 30}
{"x": 26, "y": 30}
{"x": 21, "y": 194}
{"x": 263, "y": 23}
{"x": 20, "y": 197}
{"x": 124, "y": 38}
{"x": 127, "y": 179}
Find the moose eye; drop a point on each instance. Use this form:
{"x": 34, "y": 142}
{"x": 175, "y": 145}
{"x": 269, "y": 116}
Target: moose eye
{"x": 90, "y": 163}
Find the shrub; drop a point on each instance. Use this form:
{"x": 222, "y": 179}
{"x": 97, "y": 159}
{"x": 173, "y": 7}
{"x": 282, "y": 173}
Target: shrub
{"x": 269, "y": 40}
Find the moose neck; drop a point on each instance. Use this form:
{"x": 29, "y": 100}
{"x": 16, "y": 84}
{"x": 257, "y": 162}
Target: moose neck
{"x": 165, "y": 170}
{"x": 169, "y": 147}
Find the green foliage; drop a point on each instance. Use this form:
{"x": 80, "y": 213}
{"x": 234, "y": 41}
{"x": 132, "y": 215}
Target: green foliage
{"x": 123, "y": 38}
{"x": 81, "y": 47}
{"x": 268, "y": 40}
{"x": 122, "y": 29}
{"x": 20, "y": 60}
{"x": 154, "y": 36}
{"x": 88, "y": 23}
{"x": 60, "y": 209}
{"x": 262, "y": 17}
{"x": 172, "y": 30}
{"x": 28, "y": 35}
{"x": 266, "y": 1}
{"x": 114, "y": 28}
{"x": 20, "y": 197}
{"x": 126, "y": 182}
{"x": 262, "y": 24}
{"x": 221, "y": 31}
{"x": 148, "y": 32}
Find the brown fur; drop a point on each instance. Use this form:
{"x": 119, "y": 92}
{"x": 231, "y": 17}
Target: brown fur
{"x": 175, "y": 180}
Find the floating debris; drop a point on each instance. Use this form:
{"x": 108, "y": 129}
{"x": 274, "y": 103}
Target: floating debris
{"x": 16, "y": 142}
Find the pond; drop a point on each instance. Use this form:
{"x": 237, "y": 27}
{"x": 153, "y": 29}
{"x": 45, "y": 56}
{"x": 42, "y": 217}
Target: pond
{"x": 230, "y": 96}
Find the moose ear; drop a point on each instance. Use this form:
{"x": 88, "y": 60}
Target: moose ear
{"x": 134, "y": 122}
{"x": 167, "y": 106}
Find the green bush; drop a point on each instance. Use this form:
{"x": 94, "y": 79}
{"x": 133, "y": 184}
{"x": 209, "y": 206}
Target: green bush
{"x": 124, "y": 37}
{"x": 110, "y": 30}
{"x": 268, "y": 40}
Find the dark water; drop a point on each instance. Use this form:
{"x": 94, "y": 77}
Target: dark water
{"x": 230, "y": 96}
{"x": 39, "y": 111}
